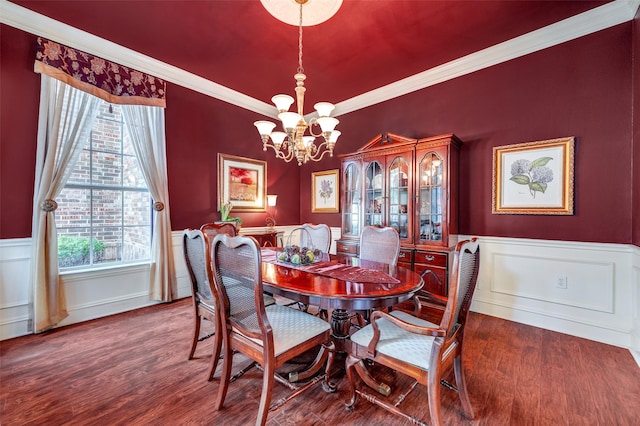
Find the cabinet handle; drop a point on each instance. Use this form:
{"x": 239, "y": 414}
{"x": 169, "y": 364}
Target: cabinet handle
{"x": 430, "y": 272}
{"x": 401, "y": 256}
{"x": 429, "y": 257}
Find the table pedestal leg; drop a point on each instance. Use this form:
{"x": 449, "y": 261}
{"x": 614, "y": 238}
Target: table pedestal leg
{"x": 340, "y": 325}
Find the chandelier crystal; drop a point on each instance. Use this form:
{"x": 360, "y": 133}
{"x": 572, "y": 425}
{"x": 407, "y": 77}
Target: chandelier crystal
{"x": 293, "y": 143}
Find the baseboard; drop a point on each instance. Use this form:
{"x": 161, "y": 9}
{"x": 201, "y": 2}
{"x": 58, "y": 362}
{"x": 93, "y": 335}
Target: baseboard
{"x": 553, "y": 322}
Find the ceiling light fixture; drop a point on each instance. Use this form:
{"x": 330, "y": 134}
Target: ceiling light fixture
{"x": 298, "y": 145}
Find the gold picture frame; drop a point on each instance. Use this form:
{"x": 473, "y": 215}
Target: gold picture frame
{"x": 243, "y": 182}
{"x": 534, "y": 177}
{"x": 325, "y": 187}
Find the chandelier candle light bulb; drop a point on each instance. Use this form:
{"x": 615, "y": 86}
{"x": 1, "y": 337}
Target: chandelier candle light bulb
{"x": 298, "y": 145}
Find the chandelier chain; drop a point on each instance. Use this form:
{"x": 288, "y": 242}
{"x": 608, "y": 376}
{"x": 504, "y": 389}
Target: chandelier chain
{"x": 300, "y": 68}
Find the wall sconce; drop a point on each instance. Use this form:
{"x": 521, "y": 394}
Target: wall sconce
{"x": 271, "y": 216}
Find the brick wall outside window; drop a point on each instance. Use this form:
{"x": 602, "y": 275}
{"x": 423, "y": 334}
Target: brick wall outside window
{"x": 106, "y": 200}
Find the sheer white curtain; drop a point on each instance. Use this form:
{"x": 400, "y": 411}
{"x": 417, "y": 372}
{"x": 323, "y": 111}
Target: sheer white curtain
{"x": 146, "y": 127}
{"x": 66, "y": 118}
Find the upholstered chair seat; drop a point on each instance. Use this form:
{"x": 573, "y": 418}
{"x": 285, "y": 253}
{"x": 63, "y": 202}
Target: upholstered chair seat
{"x": 398, "y": 343}
{"x": 290, "y": 328}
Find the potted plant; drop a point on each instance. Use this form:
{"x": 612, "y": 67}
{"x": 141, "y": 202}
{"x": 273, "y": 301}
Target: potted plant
{"x": 225, "y": 209}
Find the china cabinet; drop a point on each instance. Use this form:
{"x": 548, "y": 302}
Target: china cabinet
{"x": 411, "y": 185}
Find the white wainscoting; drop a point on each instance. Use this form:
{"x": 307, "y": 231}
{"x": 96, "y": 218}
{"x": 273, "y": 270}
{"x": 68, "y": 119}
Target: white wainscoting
{"x": 518, "y": 277}
{"x": 90, "y": 294}
{"x": 517, "y": 282}
{"x": 15, "y": 272}
{"x": 635, "y": 297}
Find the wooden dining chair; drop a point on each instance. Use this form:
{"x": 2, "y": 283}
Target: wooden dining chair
{"x": 203, "y": 293}
{"x": 212, "y": 229}
{"x": 317, "y": 235}
{"x": 417, "y": 348}
{"x": 380, "y": 244}
{"x": 269, "y": 335}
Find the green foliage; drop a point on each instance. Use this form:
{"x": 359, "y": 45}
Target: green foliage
{"x": 534, "y": 174}
{"x": 74, "y": 251}
{"x": 225, "y": 209}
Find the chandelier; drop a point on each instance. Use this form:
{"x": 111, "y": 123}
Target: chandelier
{"x": 293, "y": 143}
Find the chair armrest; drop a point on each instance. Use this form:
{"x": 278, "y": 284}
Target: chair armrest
{"x": 411, "y": 328}
{"x": 429, "y": 299}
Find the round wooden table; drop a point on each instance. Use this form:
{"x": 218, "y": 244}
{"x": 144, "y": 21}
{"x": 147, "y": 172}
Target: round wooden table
{"x": 339, "y": 295}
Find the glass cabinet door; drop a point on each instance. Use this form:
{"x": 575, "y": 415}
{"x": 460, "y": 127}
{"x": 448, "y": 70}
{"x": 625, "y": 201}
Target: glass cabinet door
{"x": 351, "y": 203}
{"x": 373, "y": 194}
{"x": 430, "y": 198}
{"x": 399, "y": 197}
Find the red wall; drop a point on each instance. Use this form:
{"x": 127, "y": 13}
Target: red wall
{"x": 580, "y": 88}
{"x": 635, "y": 211}
{"x": 19, "y": 100}
{"x": 197, "y": 128}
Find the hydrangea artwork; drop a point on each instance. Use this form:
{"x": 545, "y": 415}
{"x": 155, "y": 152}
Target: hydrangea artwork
{"x": 325, "y": 190}
{"x": 534, "y": 173}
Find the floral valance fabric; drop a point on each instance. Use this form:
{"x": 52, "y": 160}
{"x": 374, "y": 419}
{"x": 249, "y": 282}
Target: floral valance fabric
{"x": 107, "y": 80}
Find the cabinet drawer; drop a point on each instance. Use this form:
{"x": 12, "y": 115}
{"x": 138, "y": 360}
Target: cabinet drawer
{"x": 405, "y": 255}
{"x": 346, "y": 248}
{"x": 405, "y": 265}
{"x": 431, "y": 258}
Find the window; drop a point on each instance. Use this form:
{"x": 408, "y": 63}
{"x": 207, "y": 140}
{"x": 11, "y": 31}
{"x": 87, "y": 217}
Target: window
{"x": 104, "y": 214}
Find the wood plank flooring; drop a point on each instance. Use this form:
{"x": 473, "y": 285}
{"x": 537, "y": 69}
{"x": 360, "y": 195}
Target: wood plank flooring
{"x": 132, "y": 369}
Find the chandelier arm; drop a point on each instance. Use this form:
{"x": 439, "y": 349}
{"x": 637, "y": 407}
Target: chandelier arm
{"x": 311, "y": 123}
{"x": 288, "y": 157}
{"x": 279, "y": 153}
{"x": 316, "y": 157}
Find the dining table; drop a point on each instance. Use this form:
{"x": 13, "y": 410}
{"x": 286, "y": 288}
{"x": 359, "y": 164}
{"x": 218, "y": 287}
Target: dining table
{"x": 342, "y": 286}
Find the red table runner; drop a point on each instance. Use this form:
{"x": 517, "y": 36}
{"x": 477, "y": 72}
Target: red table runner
{"x": 335, "y": 269}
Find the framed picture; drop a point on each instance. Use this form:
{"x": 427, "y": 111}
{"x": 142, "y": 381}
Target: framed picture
{"x": 325, "y": 187}
{"x": 534, "y": 177}
{"x": 243, "y": 182}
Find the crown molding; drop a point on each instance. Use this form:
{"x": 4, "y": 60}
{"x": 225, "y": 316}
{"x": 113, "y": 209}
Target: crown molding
{"x": 606, "y": 16}
{"x": 600, "y": 18}
{"x": 40, "y": 25}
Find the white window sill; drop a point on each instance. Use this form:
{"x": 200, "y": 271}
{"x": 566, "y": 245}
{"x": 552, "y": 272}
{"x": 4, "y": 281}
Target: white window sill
{"x": 119, "y": 269}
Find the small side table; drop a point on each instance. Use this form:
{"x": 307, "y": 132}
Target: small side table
{"x": 266, "y": 238}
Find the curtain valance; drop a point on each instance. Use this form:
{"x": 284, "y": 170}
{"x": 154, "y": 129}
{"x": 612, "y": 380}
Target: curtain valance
{"x": 107, "y": 80}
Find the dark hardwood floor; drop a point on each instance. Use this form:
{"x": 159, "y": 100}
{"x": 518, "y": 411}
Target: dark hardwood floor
{"x": 132, "y": 369}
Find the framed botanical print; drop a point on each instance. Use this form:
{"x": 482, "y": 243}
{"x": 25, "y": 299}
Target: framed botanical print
{"x": 534, "y": 177}
{"x": 325, "y": 188}
{"x": 242, "y": 182}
